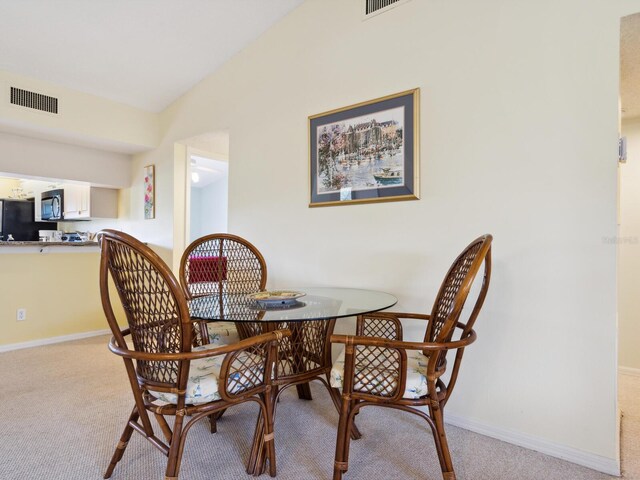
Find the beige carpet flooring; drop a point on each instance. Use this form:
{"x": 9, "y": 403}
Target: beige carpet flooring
{"x": 63, "y": 408}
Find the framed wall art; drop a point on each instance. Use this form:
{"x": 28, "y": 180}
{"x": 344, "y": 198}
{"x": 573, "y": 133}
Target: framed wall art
{"x": 149, "y": 192}
{"x": 366, "y": 152}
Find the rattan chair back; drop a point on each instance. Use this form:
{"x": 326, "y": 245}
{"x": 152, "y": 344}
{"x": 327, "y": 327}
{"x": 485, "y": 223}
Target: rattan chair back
{"x": 222, "y": 264}
{"x": 455, "y": 288}
{"x": 153, "y": 302}
{"x": 222, "y": 269}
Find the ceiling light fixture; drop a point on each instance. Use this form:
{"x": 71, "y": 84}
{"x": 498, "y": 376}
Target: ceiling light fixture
{"x": 195, "y": 177}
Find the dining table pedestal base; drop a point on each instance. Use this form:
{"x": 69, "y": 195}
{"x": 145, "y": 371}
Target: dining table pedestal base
{"x": 303, "y": 357}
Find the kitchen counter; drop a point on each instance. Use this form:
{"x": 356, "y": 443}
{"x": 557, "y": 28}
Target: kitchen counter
{"x": 18, "y": 247}
{"x": 17, "y": 243}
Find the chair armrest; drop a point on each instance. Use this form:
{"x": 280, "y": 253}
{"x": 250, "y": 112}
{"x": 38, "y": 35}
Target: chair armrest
{"x": 384, "y": 324}
{"x": 402, "y": 345}
{"x": 418, "y": 316}
{"x": 223, "y": 349}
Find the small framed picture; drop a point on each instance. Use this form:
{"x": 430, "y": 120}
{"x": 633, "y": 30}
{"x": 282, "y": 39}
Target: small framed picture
{"x": 149, "y": 192}
{"x": 366, "y": 152}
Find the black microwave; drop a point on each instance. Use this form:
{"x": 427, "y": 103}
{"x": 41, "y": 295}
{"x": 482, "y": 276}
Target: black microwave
{"x": 52, "y": 205}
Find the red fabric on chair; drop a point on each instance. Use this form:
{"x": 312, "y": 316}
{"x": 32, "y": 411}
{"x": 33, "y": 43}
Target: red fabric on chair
{"x": 207, "y": 269}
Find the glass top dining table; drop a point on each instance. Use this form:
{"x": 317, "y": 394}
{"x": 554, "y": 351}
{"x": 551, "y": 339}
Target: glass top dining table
{"x": 318, "y": 303}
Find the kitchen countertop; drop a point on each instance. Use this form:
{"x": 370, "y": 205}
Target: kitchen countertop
{"x": 17, "y": 243}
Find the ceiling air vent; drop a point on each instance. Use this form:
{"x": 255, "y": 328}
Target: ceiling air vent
{"x": 375, "y": 7}
{"x": 28, "y": 99}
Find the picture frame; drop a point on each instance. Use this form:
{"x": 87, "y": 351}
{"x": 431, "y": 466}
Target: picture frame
{"x": 149, "y": 192}
{"x": 367, "y": 152}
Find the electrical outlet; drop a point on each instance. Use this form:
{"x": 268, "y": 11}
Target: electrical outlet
{"x": 21, "y": 314}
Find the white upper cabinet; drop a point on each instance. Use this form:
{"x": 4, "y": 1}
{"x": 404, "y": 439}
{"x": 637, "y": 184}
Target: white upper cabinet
{"x": 71, "y": 201}
{"x": 85, "y": 202}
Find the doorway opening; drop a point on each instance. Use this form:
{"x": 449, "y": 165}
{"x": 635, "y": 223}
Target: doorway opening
{"x": 629, "y": 198}
{"x": 628, "y": 243}
{"x": 201, "y": 185}
{"x": 209, "y": 192}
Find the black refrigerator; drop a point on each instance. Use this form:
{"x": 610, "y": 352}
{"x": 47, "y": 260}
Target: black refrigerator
{"x": 17, "y": 220}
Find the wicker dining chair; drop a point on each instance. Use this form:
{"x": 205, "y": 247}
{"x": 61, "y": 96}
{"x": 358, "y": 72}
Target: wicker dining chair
{"x": 378, "y": 368}
{"x": 168, "y": 377}
{"x": 225, "y": 268}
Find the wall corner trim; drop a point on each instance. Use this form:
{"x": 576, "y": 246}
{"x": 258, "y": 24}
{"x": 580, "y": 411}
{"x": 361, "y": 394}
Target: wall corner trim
{"x": 48, "y": 341}
{"x": 573, "y": 455}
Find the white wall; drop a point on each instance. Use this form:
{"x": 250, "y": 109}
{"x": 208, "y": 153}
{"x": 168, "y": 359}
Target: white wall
{"x": 82, "y": 118}
{"x": 629, "y": 250}
{"x": 519, "y": 122}
{"x": 196, "y": 213}
{"x": 209, "y": 208}
{"x": 24, "y": 156}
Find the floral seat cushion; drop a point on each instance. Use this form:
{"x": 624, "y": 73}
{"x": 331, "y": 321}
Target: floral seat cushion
{"x": 222, "y": 333}
{"x": 416, "y": 385}
{"x": 202, "y": 386}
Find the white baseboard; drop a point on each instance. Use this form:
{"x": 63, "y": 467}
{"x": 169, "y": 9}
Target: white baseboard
{"x": 634, "y": 372}
{"x": 49, "y": 341}
{"x": 573, "y": 455}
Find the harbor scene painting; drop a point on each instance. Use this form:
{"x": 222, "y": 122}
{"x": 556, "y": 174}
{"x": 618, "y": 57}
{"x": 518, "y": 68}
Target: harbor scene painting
{"x": 365, "y": 152}
{"x": 362, "y": 152}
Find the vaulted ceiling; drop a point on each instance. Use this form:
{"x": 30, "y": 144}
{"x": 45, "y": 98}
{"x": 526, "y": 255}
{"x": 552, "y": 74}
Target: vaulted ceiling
{"x": 147, "y": 53}
{"x": 143, "y": 53}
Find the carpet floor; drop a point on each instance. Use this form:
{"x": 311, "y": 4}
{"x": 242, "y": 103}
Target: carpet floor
{"x": 64, "y": 407}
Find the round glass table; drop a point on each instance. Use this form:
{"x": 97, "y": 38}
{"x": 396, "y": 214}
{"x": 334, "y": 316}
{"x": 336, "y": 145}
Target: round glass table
{"x": 306, "y": 354}
{"x": 317, "y": 303}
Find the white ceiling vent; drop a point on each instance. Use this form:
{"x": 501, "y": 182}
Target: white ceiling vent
{"x": 376, "y": 7}
{"x": 37, "y": 101}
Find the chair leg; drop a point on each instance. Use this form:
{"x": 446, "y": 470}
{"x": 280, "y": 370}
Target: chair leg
{"x": 335, "y": 396}
{"x": 175, "y": 450}
{"x": 213, "y": 424}
{"x": 213, "y": 420}
{"x": 164, "y": 426}
{"x": 443, "y": 451}
{"x": 304, "y": 391}
{"x": 355, "y": 433}
{"x": 269, "y": 434}
{"x": 347, "y": 439}
{"x": 122, "y": 444}
{"x": 340, "y": 464}
{"x": 254, "y": 466}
